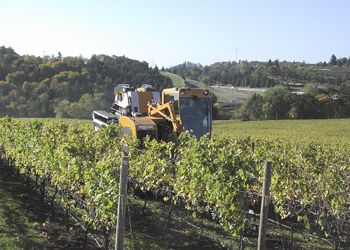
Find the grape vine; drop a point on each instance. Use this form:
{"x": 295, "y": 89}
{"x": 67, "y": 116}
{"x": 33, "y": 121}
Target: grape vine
{"x": 310, "y": 181}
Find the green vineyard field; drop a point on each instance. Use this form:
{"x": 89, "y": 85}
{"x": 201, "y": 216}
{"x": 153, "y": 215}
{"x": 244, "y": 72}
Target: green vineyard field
{"x": 330, "y": 131}
{"x": 217, "y": 177}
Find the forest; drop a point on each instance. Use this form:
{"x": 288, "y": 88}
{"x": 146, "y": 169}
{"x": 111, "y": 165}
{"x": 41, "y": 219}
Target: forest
{"x": 71, "y": 87}
{"x": 267, "y": 74}
{"x": 295, "y": 90}
{"x": 57, "y": 86}
{"x": 279, "y": 102}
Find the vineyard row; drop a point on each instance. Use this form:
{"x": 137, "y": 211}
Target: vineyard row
{"x": 310, "y": 181}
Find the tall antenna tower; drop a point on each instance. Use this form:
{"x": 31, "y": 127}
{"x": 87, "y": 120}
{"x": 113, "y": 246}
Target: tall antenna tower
{"x": 236, "y": 55}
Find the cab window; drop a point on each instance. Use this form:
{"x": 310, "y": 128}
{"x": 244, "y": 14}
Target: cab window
{"x": 175, "y": 98}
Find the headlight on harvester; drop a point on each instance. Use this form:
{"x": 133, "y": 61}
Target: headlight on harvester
{"x": 206, "y": 92}
{"x": 182, "y": 92}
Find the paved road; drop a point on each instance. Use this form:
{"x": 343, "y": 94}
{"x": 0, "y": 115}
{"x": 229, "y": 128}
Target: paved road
{"x": 240, "y": 88}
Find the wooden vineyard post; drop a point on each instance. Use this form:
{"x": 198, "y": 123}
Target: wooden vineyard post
{"x": 264, "y": 206}
{"x": 119, "y": 242}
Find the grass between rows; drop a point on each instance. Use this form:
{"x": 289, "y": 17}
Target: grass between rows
{"x": 17, "y": 230}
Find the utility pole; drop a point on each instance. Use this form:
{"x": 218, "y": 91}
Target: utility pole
{"x": 264, "y": 206}
{"x": 123, "y": 196}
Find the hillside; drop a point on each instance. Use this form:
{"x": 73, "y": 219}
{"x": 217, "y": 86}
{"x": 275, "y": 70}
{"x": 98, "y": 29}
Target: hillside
{"x": 57, "y": 86}
{"x": 177, "y": 81}
{"x": 267, "y": 74}
{"x": 227, "y": 93}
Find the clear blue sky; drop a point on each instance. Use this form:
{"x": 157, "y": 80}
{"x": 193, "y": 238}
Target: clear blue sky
{"x": 171, "y": 32}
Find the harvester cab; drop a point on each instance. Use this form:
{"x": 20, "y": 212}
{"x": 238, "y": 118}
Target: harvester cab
{"x": 192, "y": 107}
{"x": 144, "y": 111}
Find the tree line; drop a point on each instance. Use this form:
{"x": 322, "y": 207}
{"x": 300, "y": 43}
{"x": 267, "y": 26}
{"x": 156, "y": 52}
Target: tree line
{"x": 266, "y": 74}
{"x": 315, "y": 103}
{"x": 57, "y": 86}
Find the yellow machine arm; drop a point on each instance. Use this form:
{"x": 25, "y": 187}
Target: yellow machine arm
{"x": 160, "y": 110}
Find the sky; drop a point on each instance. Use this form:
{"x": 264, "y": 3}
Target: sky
{"x": 167, "y": 33}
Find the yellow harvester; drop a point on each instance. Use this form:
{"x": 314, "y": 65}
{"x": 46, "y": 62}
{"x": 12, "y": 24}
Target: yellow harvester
{"x": 143, "y": 111}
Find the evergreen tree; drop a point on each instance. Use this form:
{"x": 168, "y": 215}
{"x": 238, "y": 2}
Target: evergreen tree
{"x": 333, "y": 60}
